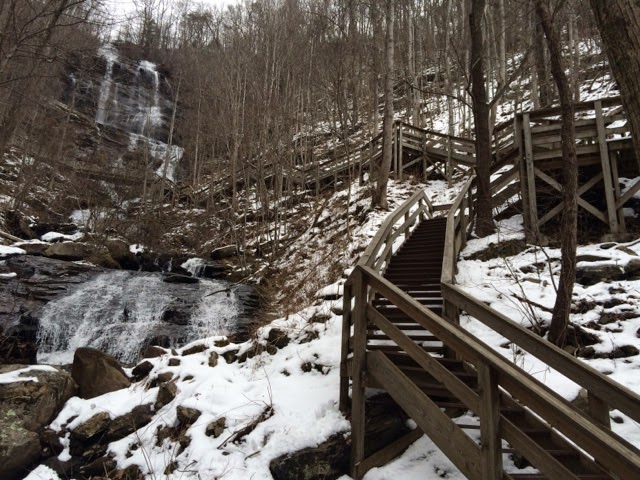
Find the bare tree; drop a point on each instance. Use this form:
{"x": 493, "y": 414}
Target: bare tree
{"x": 619, "y": 25}
{"x": 380, "y": 194}
{"x": 569, "y": 240}
{"x": 481, "y": 111}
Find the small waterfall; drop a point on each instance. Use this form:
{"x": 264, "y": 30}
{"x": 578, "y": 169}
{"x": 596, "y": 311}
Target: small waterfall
{"x": 120, "y": 312}
{"x": 108, "y": 52}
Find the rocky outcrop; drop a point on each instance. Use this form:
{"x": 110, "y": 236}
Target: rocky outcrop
{"x": 70, "y": 251}
{"x": 25, "y": 408}
{"x": 97, "y": 373}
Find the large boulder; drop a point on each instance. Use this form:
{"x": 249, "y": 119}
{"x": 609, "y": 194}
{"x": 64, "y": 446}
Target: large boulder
{"x": 26, "y": 406}
{"x": 121, "y": 253}
{"x": 97, "y": 373}
{"x": 227, "y": 251}
{"x": 70, "y": 251}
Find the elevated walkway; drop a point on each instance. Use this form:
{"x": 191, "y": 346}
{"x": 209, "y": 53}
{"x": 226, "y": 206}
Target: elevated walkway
{"x": 401, "y": 334}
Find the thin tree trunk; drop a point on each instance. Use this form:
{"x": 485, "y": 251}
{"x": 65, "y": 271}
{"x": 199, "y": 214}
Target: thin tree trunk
{"x": 484, "y": 218}
{"x": 619, "y": 25}
{"x": 562, "y": 306}
{"x": 380, "y": 194}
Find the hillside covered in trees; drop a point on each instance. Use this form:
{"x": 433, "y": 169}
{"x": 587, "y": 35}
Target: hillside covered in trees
{"x": 297, "y": 239}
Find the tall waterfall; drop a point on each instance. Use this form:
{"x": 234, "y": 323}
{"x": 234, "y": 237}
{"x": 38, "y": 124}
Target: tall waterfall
{"x": 130, "y": 99}
{"x": 120, "y": 312}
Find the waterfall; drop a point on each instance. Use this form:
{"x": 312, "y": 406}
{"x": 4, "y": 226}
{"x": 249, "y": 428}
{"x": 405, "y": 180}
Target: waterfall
{"x": 120, "y": 312}
{"x": 108, "y": 52}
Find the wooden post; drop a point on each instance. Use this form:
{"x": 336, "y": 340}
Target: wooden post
{"x": 609, "y": 192}
{"x": 358, "y": 372}
{"x": 490, "y": 439}
{"x": 400, "y": 166}
{"x": 449, "y": 162}
{"x": 599, "y": 410}
{"x": 424, "y": 156}
{"x": 534, "y": 233}
{"x": 463, "y": 222}
{"x": 616, "y": 188}
{"x": 346, "y": 333}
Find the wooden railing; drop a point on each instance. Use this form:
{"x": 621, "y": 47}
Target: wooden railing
{"x": 500, "y": 382}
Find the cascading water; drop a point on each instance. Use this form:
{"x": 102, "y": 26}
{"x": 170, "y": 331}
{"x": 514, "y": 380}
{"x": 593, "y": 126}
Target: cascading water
{"x": 120, "y": 312}
{"x": 110, "y": 55}
{"x": 130, "y": 99}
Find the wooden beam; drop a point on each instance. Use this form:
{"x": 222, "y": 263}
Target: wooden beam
{"x": 490, "y": 438}
{"x": 390, "y": 452}
{"x": 609, "y": 192}
{"x": 530, "y": 179}
{"x": 359, "y": 369}
{"x": 453, "y": 442}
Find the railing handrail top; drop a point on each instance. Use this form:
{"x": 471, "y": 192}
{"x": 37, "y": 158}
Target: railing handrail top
{"x": 581, "y": 106}
{"x": 367, "y": 257}
{"x": 488, "y": 356}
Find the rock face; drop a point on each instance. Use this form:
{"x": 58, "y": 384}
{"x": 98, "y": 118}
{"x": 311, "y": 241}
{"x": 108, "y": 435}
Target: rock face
{"x": 68, "y": 251}
{"x": 97, "y": 373}
{"x": 25, "y": 408}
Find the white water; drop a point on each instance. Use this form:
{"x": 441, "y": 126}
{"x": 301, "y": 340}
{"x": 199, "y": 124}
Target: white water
{"x": 108, "y": 52}
{"x": 117, "y": 311}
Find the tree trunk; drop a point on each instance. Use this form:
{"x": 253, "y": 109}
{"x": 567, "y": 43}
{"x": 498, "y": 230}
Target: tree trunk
{"x": 562, "y": 306}
{"x": 619, "y": 25}
{"x": 484, "y": 218}
{"x": 380, "y": 194}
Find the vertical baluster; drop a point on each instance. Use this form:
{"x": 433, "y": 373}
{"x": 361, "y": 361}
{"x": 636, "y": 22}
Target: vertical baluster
{"x": 346, "y": 333}
{"x": 359, "y": 369}
{"x": 490, "y": 440}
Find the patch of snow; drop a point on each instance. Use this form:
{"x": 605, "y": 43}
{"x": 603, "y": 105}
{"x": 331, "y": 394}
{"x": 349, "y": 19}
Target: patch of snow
{"x": 42, "y": 472}
{"x": 15, "y": 376}
{"x": 10, "y": 251}
{"x": 57, "y": 236}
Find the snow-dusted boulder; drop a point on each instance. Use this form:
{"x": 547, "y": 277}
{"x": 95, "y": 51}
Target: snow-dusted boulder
{"x": 97, "y": 373}
{"x": 30, "y": 397}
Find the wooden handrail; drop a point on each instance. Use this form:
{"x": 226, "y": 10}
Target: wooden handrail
{"x": 617, "y": 455}
{"x": 584, "y": 375}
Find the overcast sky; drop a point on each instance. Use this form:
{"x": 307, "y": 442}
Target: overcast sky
{"x": 121, "y": 7}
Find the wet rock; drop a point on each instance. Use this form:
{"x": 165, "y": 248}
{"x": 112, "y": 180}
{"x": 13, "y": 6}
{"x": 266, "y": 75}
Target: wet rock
{"x": 153, "y": 352}
{"x": 39, "y": 401}
{"x": 141, "y": 370}
{"x": 50, "y": 440}
{"x": 195, "y": 349}
{"x": 19, "y": 449}
{"x": 71, "y": 251}
{"x": 591, "y": 274}
{"x": 97, "y": 373}
{"x": 176, "y": 316}
{"x": 127, "y": 424}
{"x": 385, "y": 423}
{"x": 213, "y": 359}
{"x": 163, "y": 378}
{"x": 625, "y": 351}
{"x": 230, "y": 356}
{"x": 173, "y": 278}
{"x": 632, "y": 269}
{"x": 92, "y": 427}
{"x": 166, "y": 393}
{"x": 174, "y": 362}
{"x": 187, "y": 416}
{"x": 33, "y": 248}
{"x": 119, "y": 251}
{"x": 278, "y": 338}
{"x": 215, "y": 429}
{"x": 224, "y": 252}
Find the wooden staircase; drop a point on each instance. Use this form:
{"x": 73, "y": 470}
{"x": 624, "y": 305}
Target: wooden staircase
{"x": 401, "y": 334}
